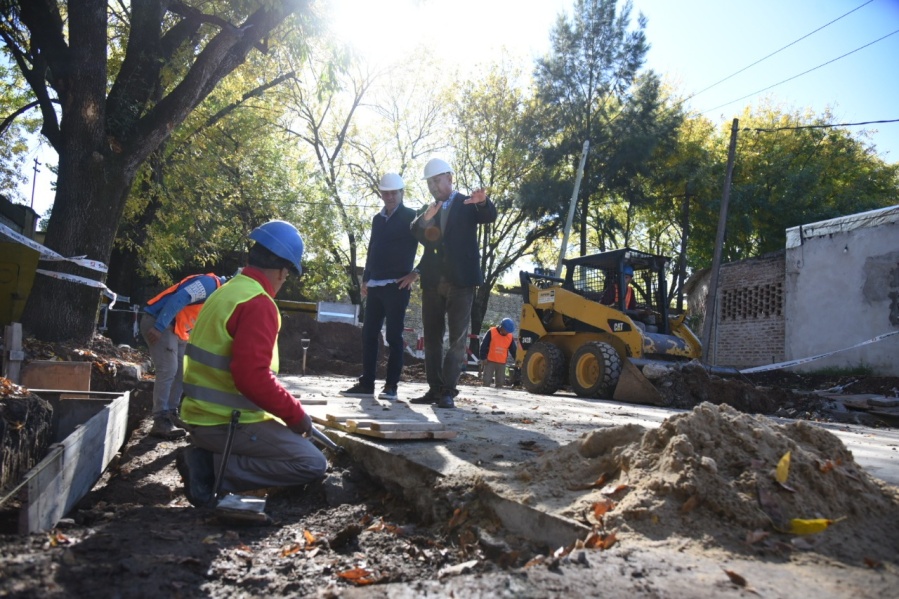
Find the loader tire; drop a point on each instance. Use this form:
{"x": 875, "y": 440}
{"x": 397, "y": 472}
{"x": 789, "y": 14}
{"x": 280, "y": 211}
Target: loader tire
{"x": 543, "y": 369}
{"x": 594, "y": 370}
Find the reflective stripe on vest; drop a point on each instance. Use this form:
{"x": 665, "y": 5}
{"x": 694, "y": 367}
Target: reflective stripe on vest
{"x": 209, "y": 389}
{"x": 499, "y": 346}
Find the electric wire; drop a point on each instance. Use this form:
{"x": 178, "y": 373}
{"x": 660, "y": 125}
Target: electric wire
{"x": 778, "y": 51}
{"x": 802, "y": 73}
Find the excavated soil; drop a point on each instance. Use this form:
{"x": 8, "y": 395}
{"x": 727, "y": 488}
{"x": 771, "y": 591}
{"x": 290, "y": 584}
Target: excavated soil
{"x": 693, "y": 508}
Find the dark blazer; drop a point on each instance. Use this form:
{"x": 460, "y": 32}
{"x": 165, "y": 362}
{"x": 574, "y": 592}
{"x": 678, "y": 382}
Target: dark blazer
{"x": 453, "y": 252}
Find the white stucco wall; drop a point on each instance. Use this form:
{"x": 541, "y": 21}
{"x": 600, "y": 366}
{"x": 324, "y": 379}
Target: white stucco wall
{"x": 842, "y": 288}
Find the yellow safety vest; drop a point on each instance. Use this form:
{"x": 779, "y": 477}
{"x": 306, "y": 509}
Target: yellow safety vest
{"x": 209, "y": 390}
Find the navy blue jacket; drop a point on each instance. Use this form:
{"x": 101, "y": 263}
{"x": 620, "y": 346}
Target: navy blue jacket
{"x": 453, "y": 254}
{"x": 391, "y": 247}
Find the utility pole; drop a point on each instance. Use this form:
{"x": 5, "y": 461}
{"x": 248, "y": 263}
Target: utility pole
{"x": 34, "y": 180}
{"x": 711, "y": 312}
{"x": 577, "y": 187}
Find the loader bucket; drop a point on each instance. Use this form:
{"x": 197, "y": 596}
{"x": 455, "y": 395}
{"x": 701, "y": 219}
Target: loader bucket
{"x": 633, "y": 387}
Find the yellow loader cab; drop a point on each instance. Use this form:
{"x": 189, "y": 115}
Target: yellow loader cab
{"x": 580, "y": 332}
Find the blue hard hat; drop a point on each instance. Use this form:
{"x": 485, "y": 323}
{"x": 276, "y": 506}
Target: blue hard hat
{"x": 628, "y": 270}
{"x": 508, "y": 325}
{"x": 282, "y": 239}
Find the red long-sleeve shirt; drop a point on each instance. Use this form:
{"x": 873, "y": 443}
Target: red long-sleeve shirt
{"x": 254, "y": 327}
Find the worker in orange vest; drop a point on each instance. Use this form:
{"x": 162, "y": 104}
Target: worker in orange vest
{"x": 610, "y": 297}
{"x": 496, "y": 347}
{"x": 166, "y": 324}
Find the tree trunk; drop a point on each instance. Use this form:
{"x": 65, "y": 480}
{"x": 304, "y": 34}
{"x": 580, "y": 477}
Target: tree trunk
{"x": 89, "y": 201}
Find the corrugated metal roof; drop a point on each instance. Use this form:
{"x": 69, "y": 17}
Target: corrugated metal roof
{"x": 843, "y": 224}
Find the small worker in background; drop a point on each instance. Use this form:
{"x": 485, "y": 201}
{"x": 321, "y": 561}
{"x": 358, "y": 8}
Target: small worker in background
{"x": 166, "y": 325}
{"x": 610, "y": 296}
{"x": 498, "y": 344}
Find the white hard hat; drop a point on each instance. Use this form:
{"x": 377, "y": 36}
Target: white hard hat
{"x": 391, "y": 182}
{"x": 436, "y": 166}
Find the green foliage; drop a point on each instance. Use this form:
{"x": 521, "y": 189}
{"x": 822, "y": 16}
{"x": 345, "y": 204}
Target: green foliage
{"x": 789, "y": 170}
{"x": 13, "y": 137}
{"x": 590, "y": 87}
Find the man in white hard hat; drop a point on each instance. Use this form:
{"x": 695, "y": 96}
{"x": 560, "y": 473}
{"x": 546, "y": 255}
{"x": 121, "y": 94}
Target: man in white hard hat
{"x": 450, "y": 271}
{"x": 387, "y": 286}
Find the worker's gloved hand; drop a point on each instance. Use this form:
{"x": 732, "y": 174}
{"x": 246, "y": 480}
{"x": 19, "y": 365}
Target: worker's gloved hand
{"x": 304, "y": 426}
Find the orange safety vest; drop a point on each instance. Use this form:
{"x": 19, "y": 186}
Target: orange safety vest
{"x": 187, "y": 317}
{"x": 499, "y": 346}
{"x": 628, "y": 296}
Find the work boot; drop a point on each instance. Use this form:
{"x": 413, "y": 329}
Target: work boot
{"x": 388, "y": 393}
{"x": 198, "y": 473}
{"x": 359, "y": 390}
{"x": 165, "y": 428}
{"x": 446, "y": 402}
{"x": 428, "y": 398}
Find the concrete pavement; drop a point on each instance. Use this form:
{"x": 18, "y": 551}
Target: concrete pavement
{"x": 498, "y": 429}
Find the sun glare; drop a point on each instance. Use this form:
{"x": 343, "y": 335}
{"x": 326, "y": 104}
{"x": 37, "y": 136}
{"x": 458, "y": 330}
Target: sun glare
{"x": 380, "y": 31}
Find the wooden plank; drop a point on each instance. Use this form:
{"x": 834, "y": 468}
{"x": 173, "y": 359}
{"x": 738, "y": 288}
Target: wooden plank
{"x": 312, "y": 401}
{"x": 53, "y": 374}
{"x": 68, "y": 473}
{"x": 12, "y": 352}
{"x": 400, "y": 425}
{"x": 406, "y": 434}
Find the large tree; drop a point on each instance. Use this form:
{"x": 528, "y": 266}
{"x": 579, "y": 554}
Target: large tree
{"x": 113, "y": 114}
{"x": 591, "y": 88}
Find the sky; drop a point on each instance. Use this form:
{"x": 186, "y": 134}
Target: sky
{"x": 694, "y": 44}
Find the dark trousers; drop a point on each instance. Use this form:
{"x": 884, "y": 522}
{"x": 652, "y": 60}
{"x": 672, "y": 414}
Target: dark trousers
{"x": 387, "y": 302}
{"x": 442, "y": 307}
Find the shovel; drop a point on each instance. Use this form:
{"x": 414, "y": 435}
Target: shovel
{"x": 236, "y": 508}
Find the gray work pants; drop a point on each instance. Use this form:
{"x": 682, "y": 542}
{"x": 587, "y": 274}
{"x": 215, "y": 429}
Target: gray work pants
{"x": 263, "y": 454}
{"x": 494, "y": 370}
{"x": 168, "y": 359}
{"x": 446, "y": 306}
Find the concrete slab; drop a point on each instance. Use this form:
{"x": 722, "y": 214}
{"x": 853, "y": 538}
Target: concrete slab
{"x": 498, "y": 429}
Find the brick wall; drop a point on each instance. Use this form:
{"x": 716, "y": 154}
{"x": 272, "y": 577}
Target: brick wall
{"x": 751, "y": 326}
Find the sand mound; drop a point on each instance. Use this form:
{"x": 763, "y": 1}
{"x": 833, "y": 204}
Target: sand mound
{"x": 709, "y": 475}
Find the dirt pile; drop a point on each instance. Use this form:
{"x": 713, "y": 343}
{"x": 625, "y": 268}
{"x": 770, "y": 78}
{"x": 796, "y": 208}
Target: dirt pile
{"x": 709, "y": 476}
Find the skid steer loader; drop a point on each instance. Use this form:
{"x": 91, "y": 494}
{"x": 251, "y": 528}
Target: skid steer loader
{"x": 572, "y": 338}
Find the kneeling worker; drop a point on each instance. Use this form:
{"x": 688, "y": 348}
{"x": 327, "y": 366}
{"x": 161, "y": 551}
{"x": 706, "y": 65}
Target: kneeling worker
{"x": 230, "y": 364}
{"x": 498, "y": 343}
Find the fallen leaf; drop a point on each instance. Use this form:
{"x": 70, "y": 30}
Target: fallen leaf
{"x": 800, "y": 526}
{"x": 600, "y": 508}
{"x": 358, "y": 576}
{"x": 459, "y": 516}
{"x": 608, "y": 540}
{"x": 754, "y": 536}
{"x": 783, "y": 469}
{"x": 826, "y": 466}
{"x": 597, "y": 484}
{"x": 735, "y": 578}
{"x": 310, "y": 538}
{"x": 615, "y": 490}
{"x": 290, "y": 550}
{"x": 690, "y": 504}
{"x": 873, "y": 563}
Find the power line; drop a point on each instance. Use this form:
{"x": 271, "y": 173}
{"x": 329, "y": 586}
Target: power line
{"x": 778, "y": 51}
{"x": 802, "y": 73}
{"x": 826, "y": 126}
